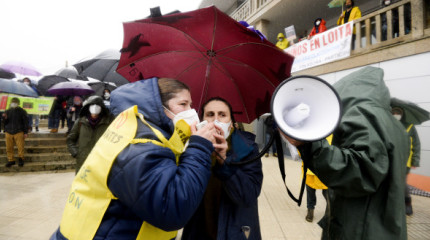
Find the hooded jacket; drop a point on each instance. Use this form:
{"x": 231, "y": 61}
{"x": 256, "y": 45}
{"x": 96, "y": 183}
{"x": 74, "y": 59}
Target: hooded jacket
{"x": 364, "y": 168}
{"x": 145, "y": 178}
{"x": 83, "y": 136}
{"x": 231, "y": 195}
{"x": 318, "y": 28}
{"x": 282, "y": 41}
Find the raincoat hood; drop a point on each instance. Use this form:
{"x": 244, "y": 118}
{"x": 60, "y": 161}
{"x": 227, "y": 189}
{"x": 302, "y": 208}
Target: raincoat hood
{"x": 146, "y": 95}
{"x": 90, "y": 101}
{"x": 280, "y": 35}
{"x": 364, "y": 86}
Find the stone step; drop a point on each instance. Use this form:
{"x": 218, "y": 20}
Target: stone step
{"x": 38, "y": 149}
{"x": 44, "y": 134}
{"x": 40, "y": 157}
{"x": 40, "y": 166}
{"x": 39, "y": 142}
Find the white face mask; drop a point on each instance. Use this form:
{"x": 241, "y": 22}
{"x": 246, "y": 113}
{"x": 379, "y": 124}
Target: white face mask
{"x": 14, "y": 105}
{"x": 27, "y": 83}
{"x": 225, "y": 127}
{"x": 188, "y": 116}
{"x": 387, "y": 3}
{"x": 318, "y": 22}
{"x": 107, "y": 95}
{"x": 397, "y": 116}
{"x": 95, "y": 109}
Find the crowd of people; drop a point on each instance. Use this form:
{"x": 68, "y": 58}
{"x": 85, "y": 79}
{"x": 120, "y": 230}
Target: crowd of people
{"x": 146, "y": 166}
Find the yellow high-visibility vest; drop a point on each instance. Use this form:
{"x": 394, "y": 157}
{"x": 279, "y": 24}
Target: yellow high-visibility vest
{"x": 90, "y": 196}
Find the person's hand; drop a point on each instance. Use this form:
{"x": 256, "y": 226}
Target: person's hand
{"x": 206, "y": 132}
{"x": 293, "y": 141}
{"x": 342, "y": 15}
{"x": 73, "y": 109}
{"x": 220, "y": 145}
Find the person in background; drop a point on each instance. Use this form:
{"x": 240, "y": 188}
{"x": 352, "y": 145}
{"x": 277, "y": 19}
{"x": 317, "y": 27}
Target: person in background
{"x": 319, "y": 27}
{"x": 149, "y": 183}
{"x": 270, "y": 126}
{"x": 229, "y": 209}
{"x": 63, "y": 115}
{"x": 364, "y": 167}
{"x": 94, "y": 118}
{"x": 282, "y": 41}
{"x": 414, "y": 154}
{"x": 106, "y": 97}
{"x": 16, "y": 129}
{"x": 54, "y": 114}
{"x": 73, "y": 112}
{"x": 350, "y": 14}
{"x": 36, "y": 117}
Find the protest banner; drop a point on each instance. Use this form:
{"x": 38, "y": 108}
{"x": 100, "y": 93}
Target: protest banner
{"x": 38, "y": 106}
{"x": 329, "y": 46}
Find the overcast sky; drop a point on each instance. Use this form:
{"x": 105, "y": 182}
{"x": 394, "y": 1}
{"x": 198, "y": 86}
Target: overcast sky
{"x": 47, "y": 33}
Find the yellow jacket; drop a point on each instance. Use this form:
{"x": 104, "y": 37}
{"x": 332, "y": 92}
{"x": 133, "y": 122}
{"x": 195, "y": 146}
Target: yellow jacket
{"x": 355, "y": 14}
{"x": 282, "y": 41}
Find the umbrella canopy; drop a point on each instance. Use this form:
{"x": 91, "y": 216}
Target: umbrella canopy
{"x": 70, "y": 72}
{"x": 6, "y": 74}
{"x": 48, "y": 81}
{"x": 22, "y": 68}
{"x": 336, "y": 3}
{"x": 14, "y": 87}
{"x": 413, "y": 114}
{"x": 99, "y": 87}
{"x": 102, "y": 67}
{"x": 70, "y": 89}
{"x": 210, "y": 52}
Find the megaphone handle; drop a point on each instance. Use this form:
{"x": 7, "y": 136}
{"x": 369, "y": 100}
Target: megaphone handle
{"x": 280, "y": 150}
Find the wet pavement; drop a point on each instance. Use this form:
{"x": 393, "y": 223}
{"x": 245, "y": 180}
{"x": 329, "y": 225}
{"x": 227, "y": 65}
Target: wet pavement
{"x": 31, "y": 205}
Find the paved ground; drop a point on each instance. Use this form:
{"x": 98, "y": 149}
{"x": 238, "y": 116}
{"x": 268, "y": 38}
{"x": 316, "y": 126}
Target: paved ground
{"x": 31, "y": 205}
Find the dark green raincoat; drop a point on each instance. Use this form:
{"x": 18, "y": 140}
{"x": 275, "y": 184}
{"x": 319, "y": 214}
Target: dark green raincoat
{"x": 364, "y": 168}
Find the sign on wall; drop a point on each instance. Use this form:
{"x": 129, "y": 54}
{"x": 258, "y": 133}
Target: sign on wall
{"x": 40, "y": 105}
{"x": 329, "y": 46}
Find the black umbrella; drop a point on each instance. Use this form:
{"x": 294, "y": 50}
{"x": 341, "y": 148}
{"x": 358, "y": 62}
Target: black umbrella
{"x": 102, "y": 67}
{"x": 6, "y": 74}
{"x": 70, "y": 72}
{"x": 99, "y": 87}
{"x": 48, "y": 81}
{"x": 413, "y": 113}
{"x": 10, "y": 86}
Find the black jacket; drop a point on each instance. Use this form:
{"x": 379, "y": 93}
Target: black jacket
{"x": 16, "y": 121}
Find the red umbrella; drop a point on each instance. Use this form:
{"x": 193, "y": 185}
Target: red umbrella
{"x": 212, "y": 53}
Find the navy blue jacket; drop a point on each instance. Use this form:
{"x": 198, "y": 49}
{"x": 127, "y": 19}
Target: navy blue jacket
{"x": 241, "y": 186}
{"x": 145, "y": 178}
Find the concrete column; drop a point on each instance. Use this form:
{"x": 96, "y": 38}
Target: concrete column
{"x": 263, "y": 26}
{"x": 417, "y": 15}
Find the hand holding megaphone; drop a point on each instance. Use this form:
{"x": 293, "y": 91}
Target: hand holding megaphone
{"x": 305, "y": 108}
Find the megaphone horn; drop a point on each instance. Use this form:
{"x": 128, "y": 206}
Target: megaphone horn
{"x": 306, "y": 108}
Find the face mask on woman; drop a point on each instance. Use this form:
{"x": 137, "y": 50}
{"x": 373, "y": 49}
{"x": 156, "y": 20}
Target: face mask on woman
{"x": 188, "y": 116}
{"x": 14, "y": 105}
{"x": 225, "y": 127}
{"x": 107, "y": 95}
{"x": 397, "y": 116}
{"x": 95, "y": 109}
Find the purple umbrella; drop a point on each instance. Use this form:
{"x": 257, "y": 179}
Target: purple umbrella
{"x": 70, "y": 89}
{"x": 22, "y": 68}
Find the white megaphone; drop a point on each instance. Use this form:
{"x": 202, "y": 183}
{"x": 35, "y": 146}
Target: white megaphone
{"x": 306, "y": 108}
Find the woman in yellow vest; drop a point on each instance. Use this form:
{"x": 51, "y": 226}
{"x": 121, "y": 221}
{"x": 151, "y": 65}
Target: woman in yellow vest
{"x": 147, "y": 174}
